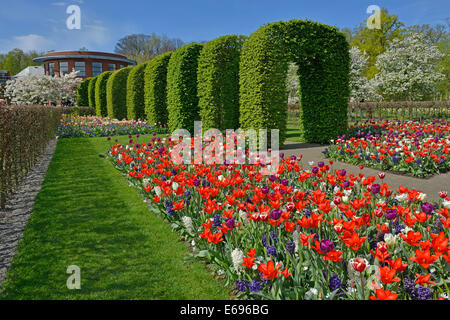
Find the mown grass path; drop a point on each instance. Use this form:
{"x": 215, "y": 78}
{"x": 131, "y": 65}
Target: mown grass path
{"x": 87, "y": 215}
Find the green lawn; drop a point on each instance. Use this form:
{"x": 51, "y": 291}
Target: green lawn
{"x": 87, "y": 215}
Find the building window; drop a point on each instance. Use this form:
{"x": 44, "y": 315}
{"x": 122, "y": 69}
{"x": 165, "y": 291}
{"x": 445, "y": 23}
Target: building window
{"x": 96, "y": 68}
{"x": 111, "y": 66}
{"x": 121, "y": 66}
{"x": 80, "y": 66}
{"x": 51, "y": 68}
{"x": 63, "y": 68}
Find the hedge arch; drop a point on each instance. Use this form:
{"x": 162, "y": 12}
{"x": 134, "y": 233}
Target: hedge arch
{"x": 321, "y": 52}
{"x": 218, "y": 82}
{"x": 182, "y": 100}
{"x": 116, "y": 94}
{"x": 135, "y": 92}
{"x": 100, "y": 93}
{"x": 91, "y": 92}
{"x": 155, "y": 89}
{"x": 83, "y": 93}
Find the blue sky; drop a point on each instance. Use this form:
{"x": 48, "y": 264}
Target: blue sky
{"x": 41, "y": 24}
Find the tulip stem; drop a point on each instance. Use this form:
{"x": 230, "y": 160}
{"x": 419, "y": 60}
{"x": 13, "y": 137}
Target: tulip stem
{"x": 362, "y": 286}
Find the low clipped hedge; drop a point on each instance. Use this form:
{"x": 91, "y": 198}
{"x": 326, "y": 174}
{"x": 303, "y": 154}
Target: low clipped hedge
{"x": 321, "y": 52}
{"x": 83, "y": 93}
{"x": 116, "y": 94}
{"x": 155, "y": 89}
{"x": 218, "y": 82}
{"x": 100, "y": 94}
{"x": 182, "y": 100}
{"x": 91, "y": 92}
{"x": 135, "y": 92}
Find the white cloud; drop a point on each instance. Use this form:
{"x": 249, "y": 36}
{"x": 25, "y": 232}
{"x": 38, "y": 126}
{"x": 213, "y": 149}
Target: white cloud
{"x": 27, "y": 43}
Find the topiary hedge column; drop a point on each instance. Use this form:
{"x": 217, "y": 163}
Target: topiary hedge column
{"x": 91, "y": 92}
{"x": 100, "y": 93}
{"x": 155, "y": 89}
{"x": 218, "y": 82}
{"x": 135, "y": 92}
{"x": 83, "y": 93}
{"x": 116, "y": 94}
{"x": 182, "y": 100}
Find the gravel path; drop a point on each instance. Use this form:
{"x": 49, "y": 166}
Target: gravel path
{"x": 430, "y": 186}
{"x": 19, "y": 207}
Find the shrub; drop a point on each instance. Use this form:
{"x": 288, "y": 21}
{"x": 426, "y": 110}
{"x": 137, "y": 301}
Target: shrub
{"x": 155, "y": 90}
{"x": 82, "y": 93}
{"x": 218, "y": 82}
{"x": 321, "y": 53}
{"x": 91, "y": 92}
{"x": 116, "y": 94}
{"x": 24, "y": 134}
{"x": 135, "y": 92}
{"x": 182, "y": 100}
{"x": 100, "y": 94}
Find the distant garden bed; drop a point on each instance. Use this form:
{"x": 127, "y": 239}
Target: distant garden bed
{"x": 415, "y": 148}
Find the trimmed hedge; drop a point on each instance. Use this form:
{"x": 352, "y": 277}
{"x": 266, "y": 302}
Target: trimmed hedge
{"x": 83, "y": 93}
{"x": 91, "y": 92}
{"x": 321, "y": 52}
{"x": 116, "y": 94}
{"x": 135, "y": 92}
{"x": 24, "y": 134}
{"x": 182, "y": 100}
{"x": 100, "y": 93}
{"x": 155, "y": 89}
{"x": 218, "y": 82}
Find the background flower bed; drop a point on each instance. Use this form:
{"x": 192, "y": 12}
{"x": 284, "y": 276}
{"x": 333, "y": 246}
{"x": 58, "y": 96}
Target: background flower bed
{"x": 416, "y": 148}
{"x": 92, "y": 126}
{"x": 317, "y": 233}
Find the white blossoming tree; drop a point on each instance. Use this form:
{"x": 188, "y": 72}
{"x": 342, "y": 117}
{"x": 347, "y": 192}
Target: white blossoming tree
{"x": 408, "y": 70}
{"x": 361, "y": 88}
{"x": 41, "y": 89}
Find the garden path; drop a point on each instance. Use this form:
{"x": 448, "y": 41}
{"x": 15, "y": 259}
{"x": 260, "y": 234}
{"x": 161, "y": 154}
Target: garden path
{"x": 313, "y": 152}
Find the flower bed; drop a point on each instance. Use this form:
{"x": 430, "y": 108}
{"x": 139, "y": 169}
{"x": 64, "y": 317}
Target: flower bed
{"x": 415, "y": 148}
{"x": 314, "y": 233}
{"x": 92, "y": 126}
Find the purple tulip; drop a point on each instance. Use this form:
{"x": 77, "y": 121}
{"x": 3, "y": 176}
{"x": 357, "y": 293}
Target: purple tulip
{"x": 375, "y": 188}
{"x": 391, "y": 214}
{"x": 265, "y": 190}
{"x": 276, "y": 214}
{"x": 285, "y": 182}
{"x": 315, "y": 170}
{"x": 342, "y": 172}
{"x": 326, "y": 245}
{"x": 229, "y": 223}
{"x": 320, "y": 164}
{"x": 427, "y": 208}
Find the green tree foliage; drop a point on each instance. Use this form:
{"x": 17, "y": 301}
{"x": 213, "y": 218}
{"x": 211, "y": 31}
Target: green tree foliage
{"x": 100, "y": 93}
{"x": 182, "y": 100}
{"x": 155, "y": 89}
{"x": 16, "y": 60}
{"x": 218, "y": 82}
{"x": 322, "y": 54}
{"x": 135, "y": 92}
{"x": 373, "y": 42}
{"x": 116, "y": 94}
{"x": 91, "y": 92}
{"x": 83, "y": 93}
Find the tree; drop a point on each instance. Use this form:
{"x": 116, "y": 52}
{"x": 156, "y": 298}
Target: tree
{"x": 16, "y": 60}
{"x": 374, "y": 42}
{"x": 361, "y": 88}
{"x": 408, "y": 69}
{"x": 142, "y": 47}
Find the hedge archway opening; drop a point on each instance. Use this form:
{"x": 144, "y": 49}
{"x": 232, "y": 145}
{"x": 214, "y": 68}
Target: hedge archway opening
{"x": 321, "y": 54}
